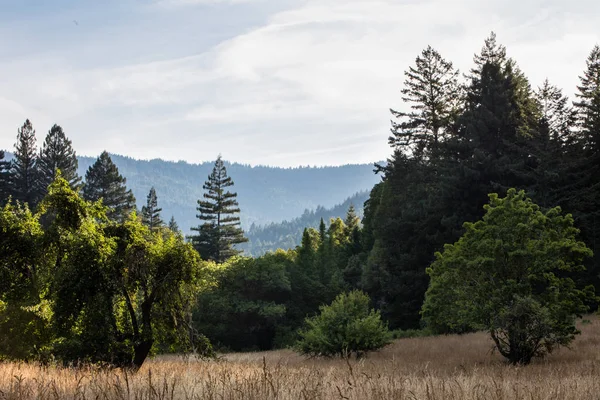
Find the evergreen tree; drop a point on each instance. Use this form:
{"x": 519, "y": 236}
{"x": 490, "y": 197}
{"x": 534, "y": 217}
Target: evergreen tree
{"x": 220, "y": 229}
{"x": 584, "y": 199}
{"x": 151, "y": 212}
{"x": 432, "y": 92}
{"x": 57, "y": 154}
{"x": 5, "y": 181}
{"x": 24, "y": 166}
{"x": 490, "y": 152}
{"x": 403, "y": 215}
{"x": 550, "y": 147}
{"x": 173, "y": 225}
{"x": 103, "y": 181}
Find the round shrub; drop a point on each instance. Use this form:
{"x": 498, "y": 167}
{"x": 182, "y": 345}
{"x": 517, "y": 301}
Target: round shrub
{"x": 347, "y": 326}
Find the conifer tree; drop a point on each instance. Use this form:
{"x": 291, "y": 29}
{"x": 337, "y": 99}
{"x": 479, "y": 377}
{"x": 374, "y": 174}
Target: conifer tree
{"x": 151, "y": 212}
{"x": 352, "y": 224}
{"x": 173, "y": 226}
{"x": 24, "y": 166}
{"x": 220, "y": 230}
{"x": 490, "y": 152}
{"x": 432, "y": 92}
{"x": 551, "y": 145}
{"x": 103, "y": 181}
{"x": 57, "y": 154}
{"x": 5, "y": 183}
{"x": 584, "y": 201}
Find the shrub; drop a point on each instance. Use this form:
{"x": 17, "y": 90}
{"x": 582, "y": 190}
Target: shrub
{"x": 347, "y": 326}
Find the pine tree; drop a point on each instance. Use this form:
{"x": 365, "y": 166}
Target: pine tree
{"x": 353, "y": 238}
{"x": 584, "y": 199}
{"x": 432, "y": 92}
{"x": 103, "y": 181}
{"x": 5, "y": 181}
{"x": 24, "y": 166}
{"x": 220, "y": 229}
{"x": 549, "y": 148}
{"x": 173, "y": 226}
{"x": 151, "y": 212}
{"x": 490, "y": 152}
{"x": 57, "y": 154}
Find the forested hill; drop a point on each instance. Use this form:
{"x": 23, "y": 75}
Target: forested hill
{"x": 265, "y": 194}
{"x": 288, "y": 234}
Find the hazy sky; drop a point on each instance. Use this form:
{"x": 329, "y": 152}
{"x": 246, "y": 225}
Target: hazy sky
{"x": 278, "y": 82}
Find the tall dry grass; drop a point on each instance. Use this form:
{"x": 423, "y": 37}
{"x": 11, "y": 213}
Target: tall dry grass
{"x": 452, "y": 367}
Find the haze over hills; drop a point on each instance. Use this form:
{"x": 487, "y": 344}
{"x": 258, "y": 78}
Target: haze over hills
{"x": 288, "y": 234}
{"x": 266, "y": 194}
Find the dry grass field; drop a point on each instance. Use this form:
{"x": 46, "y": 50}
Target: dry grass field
{"x": 449, "y": 367}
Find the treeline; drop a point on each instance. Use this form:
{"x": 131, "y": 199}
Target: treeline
{"x": 26, "y": 178}
{"x": 288, "y": 234}
{"x": 458, "y": 139}
{"x": 89, "y": 282}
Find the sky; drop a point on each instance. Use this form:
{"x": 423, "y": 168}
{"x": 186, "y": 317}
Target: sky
{"x": 269, "y": 82}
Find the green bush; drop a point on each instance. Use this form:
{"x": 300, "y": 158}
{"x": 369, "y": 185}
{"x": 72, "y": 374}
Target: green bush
{"x": 347, "y": 326}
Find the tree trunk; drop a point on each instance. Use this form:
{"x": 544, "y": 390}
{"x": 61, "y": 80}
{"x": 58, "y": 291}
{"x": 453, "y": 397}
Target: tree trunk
{"x": 141, "y": 351}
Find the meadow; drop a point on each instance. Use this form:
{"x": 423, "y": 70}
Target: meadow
{"x": 447, "y": 367}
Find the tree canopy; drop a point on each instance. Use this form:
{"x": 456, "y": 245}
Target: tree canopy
{"x": 506, "y": 275}
{"x": 220, "y": 229}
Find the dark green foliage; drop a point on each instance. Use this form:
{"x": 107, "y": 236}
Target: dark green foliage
{"x": 403, "y": 212}
{"x": 57, "y": 154}
{"x": 151, "y": 212}
{"x": 5, "y": 179}
{"x": 506, "y": 275}
{"x": 103, "y": 181}
{"x": 432, "y": 90}
{"x": 24, "y": 174}
{"x": 246, "y": 310}
{"x": 550, "y": 147}
{"x": 220, "y": 229}
{"x": 583, "y": 195}
{"x": 347, "y": 326}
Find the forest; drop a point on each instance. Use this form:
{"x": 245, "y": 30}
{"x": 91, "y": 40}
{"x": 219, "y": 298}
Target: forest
{"x": 485, "y": 218}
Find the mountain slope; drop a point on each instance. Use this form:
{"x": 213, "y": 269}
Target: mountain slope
{"x": 265, "y": 194}
{"x": 288, "y": 234}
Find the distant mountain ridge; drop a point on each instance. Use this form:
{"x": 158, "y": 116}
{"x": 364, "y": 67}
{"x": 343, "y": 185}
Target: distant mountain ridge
{"x": 266, "y": 194}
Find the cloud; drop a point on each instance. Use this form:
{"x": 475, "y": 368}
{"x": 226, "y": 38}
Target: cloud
{"x": 310, "y": 82}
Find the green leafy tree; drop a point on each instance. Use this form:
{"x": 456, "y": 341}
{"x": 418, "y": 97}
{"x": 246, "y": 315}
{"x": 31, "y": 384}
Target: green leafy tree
{"x": 347, "y": 326}
{"x": 118, "y": 287}
{"x": 103, "y": 181}
{"x": 25, "y": 329}
{"x": 24, "y": 173}
{"x": 506, "y": 275}
{"x": 151, "y": 212}
{"x": 220, "y": 230}
{"x": 57, "y": 154}
{"x": 246, "y": 308}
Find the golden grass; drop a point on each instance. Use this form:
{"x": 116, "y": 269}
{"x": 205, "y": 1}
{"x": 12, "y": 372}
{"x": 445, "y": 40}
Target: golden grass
{"x": 452, "y": 367}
